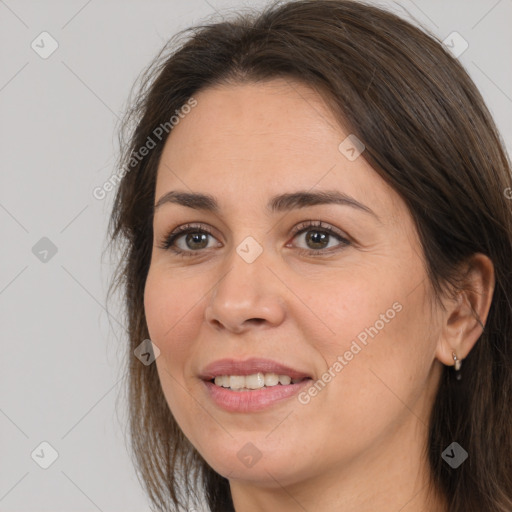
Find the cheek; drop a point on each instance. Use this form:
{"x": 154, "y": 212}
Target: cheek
{"x": 153, "y": 296}
{"x": 169, "y": 309}
{"x": 384, "y": 368}
{"x": 347, "y": 308}
{"x": 171, "y": 326}
{"x": 379, "y": 346}
{"x": 156, "y": 302}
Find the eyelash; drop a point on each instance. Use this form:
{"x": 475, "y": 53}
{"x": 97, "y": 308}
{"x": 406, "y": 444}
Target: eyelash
{"x": 168, "y": 242}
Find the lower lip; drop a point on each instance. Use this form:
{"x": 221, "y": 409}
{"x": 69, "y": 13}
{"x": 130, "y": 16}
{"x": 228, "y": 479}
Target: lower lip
{"x": 254, "y": 400}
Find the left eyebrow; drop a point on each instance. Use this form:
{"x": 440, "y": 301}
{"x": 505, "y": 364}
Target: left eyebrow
{"x": 279, "y": 203}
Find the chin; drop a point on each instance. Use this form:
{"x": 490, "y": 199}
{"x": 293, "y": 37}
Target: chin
{"x": 267, "y": 467}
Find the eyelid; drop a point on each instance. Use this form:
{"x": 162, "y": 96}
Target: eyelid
{"x": 302, "y": 226}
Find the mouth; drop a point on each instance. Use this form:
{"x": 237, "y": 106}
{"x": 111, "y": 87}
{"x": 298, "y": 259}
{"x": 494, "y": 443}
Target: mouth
{"x": 251, "y": 385}
{"x": 254, "y": 381}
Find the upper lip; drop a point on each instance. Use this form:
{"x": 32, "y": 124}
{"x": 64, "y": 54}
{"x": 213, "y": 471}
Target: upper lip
{"x": 248, "y": 367}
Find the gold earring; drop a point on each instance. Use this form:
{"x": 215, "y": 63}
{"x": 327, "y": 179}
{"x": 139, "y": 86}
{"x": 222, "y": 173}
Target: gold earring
{"x": 457, "y": 364}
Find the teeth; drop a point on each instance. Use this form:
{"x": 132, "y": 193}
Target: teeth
{"x": 254, "y": 381}
{"x": 237, "y": 381}
{"x": 284, "y": 379}
{"x": 271, "y": 379}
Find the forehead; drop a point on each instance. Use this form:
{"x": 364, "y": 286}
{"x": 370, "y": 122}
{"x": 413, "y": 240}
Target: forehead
{"x": 255, "y": 140}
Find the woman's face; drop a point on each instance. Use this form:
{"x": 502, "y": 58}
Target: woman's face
{"x": 349, "y": 309}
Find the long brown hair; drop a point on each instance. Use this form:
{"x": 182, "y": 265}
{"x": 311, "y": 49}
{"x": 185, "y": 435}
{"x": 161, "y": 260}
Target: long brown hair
{"x": 427, "y": 132}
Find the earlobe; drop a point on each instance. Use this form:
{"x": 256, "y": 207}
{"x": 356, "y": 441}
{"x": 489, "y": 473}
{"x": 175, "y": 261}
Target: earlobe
{"x": 449, "y": 348}
{"x": 465, "y": 316}
{"x": 457, "y": 363}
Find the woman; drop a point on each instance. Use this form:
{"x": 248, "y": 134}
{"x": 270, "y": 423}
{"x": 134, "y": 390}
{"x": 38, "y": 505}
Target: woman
{"x": 317, "y": 241}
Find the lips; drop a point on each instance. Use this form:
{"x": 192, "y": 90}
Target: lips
{"x": 249, "y": 367}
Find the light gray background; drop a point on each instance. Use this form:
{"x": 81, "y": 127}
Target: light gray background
{"x": 61, "y": 358}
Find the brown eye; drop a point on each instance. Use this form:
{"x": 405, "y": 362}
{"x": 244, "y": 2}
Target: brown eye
{"x": 317, "y": 238}
{"x": 194, "y": 238}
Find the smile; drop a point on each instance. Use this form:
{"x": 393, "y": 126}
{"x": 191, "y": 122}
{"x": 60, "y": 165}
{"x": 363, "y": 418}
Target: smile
{"x": 253, "y": 381}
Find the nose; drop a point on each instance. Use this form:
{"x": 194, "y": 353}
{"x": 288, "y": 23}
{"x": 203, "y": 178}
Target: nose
{"x": 246, "y": 296}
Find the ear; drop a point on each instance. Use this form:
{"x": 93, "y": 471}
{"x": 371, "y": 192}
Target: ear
{"x": 465, "y": 316}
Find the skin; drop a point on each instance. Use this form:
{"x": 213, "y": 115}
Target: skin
{"x": 358, "y": 444}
